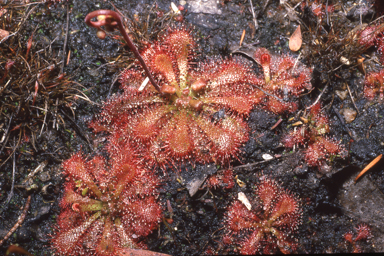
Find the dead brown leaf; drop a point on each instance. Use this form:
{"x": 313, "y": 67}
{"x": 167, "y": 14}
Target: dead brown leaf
{"x": 295, "y": 40}
{"x": 360, "y": 64}
{"x": 3, "y": 34}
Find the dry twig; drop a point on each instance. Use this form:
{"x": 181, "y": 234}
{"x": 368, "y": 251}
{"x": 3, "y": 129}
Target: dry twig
{"x": 369, "y": 166}
{"x": 353, "y": 101}
{"x": 318, "y": 97}
{"x": 19, "y": 221}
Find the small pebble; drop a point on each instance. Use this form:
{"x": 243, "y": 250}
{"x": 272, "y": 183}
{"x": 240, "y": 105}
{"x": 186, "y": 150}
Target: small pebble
{"x": 267, "y": 157}
{"x": 349, "y": 115}
{"x": 342, "y": 94}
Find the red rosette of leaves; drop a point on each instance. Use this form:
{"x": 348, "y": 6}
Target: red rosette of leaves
{"x": 200, "y": 113}
{"x": 224, "y": 179}
{"x": 320, "y": 149}
{"x": 106, "y": 207}
{"x": 284, "y": 78}
{"x": 374, "y": 85}
{"x": 270, "y": 225}
{"x": 363, "y": 234}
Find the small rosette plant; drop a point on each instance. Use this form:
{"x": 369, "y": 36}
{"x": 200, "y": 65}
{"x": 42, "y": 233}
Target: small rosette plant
{"x": 284, "y": 78}
{"x": 105, "y": 208}
{"x": 320, "y": 149}
{"x": 363, "y": 234}
{"x": 374, "y": 85}
{"x": 269, "y": 226}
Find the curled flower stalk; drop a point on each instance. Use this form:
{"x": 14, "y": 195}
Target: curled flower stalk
{"x": 111, "y": 20}
{"x": 105, "y": 210}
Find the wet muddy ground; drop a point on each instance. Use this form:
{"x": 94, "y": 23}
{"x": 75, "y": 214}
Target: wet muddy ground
{"x": 332, "y": 202}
